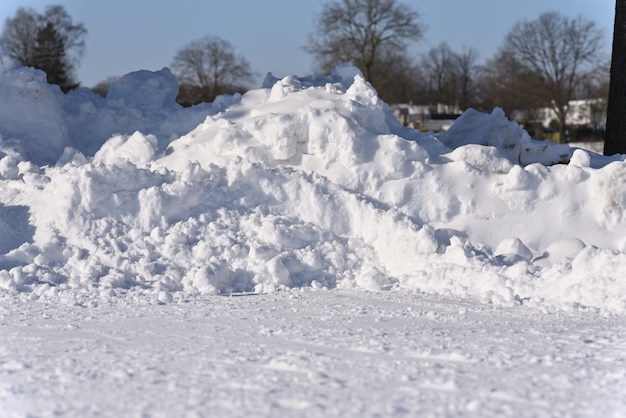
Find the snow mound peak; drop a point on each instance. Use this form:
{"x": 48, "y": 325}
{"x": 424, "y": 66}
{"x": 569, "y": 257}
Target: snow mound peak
{"x": 145, "y": 89}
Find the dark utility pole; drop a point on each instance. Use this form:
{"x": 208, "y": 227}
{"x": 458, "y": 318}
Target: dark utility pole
{"x": 615, "y": 137}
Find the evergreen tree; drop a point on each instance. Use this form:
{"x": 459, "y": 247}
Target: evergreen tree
{"x": 50, "y": 56}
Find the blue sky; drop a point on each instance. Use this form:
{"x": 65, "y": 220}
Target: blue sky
{"x": 129, "y": 35}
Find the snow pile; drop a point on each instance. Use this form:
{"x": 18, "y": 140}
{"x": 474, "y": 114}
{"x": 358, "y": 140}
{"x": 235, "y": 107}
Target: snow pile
{"x": 305, "y": 182}
{"x": 512, "y": 141}
{"x": 33, "y": 123}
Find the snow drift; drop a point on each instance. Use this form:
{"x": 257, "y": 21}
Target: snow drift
{"x": 305, "y": 182}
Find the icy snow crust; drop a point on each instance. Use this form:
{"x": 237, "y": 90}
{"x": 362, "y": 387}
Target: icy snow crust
{"x": 305, "y": 182}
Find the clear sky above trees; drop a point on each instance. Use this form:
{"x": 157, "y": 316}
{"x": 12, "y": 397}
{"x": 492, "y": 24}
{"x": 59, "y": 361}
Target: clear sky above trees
{"x": 126, "y": 35}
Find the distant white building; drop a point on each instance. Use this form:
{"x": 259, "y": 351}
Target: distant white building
{"x": 584, "y": 119}
{"x": 426, "y": 117}
{"x": 589, "y": 113}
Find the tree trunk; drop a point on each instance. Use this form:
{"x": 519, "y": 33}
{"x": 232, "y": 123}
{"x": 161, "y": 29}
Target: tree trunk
{"x": 562, "y": 115}
{"x": 615, "y": 137}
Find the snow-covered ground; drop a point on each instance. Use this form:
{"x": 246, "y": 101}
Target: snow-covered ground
{"x": 295, "y": 251}
{"x": 309, "y": 353}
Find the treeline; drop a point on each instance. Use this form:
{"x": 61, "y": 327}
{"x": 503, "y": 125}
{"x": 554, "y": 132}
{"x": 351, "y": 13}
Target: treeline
{"x": 542, "y": 63}
{"x": 545, "y": 62}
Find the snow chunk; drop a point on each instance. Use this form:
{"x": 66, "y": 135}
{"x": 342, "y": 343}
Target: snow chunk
{"x": 514, "y": 247}
{"x": 485, "y": 158}
{"x": 8, "y": 167}
{"x": 580, "y": 158}
{"x": 138, "y": 149}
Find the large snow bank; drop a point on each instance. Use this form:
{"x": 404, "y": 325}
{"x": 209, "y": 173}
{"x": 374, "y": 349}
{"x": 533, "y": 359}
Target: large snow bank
{"x": 305, "y": 182}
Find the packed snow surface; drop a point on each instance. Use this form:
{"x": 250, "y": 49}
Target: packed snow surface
{"x": 371, "y": 270}
{"x": 308, "y": 353}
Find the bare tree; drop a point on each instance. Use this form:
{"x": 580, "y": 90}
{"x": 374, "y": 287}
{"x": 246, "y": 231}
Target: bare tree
{"x": 504, "y": 83}
{"x": 102, "y": 88}
{"x": 438, "y": 67}
{"x": 615, "y": 137}
{"x": 451, "y": 78}
{"x": 560, "y": 52}
{"x": 366, "y": 32}
{"x": 50, "y": 42}
{"x": 467, "y": 72}
{"x": 19, "y": 35}
{"x": 403, "y": 79}
{"x": 208, "y": 67}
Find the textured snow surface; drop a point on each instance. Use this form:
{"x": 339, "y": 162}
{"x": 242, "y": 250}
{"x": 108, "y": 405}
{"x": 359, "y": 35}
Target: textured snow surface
{"x": 309, "y": 354}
